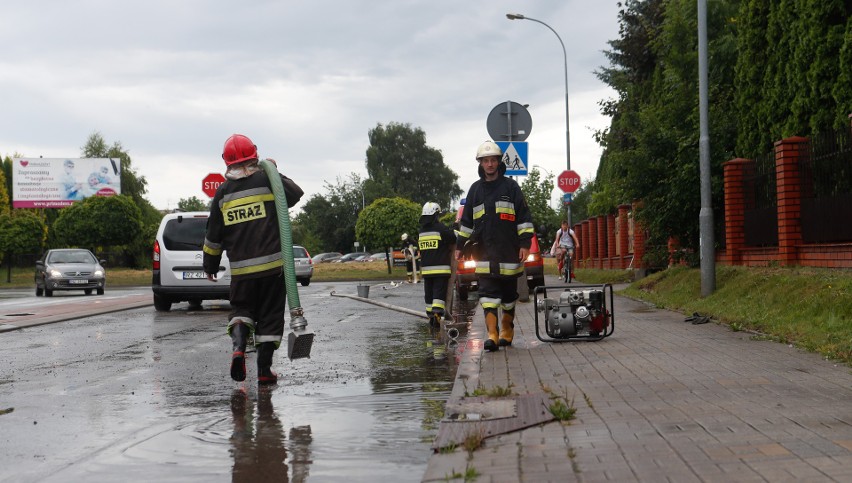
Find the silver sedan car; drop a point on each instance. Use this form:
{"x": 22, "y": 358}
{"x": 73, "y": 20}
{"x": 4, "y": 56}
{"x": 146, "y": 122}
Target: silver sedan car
{"x": 69, "y": 269}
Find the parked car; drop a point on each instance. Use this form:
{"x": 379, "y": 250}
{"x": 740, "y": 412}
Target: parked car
{"x": 378, "y": 256}
{"x": 326, "y": 257}
{"x": 534, "y": 265}
{"x": 178, "y": 271}
{"x": 303, "y": 264}
{"x": 349, "y": 257}
{"x": 69, "y": 269}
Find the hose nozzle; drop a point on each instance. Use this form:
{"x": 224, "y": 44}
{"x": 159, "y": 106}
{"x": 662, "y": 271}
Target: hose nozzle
{"x": 297, "y": 319}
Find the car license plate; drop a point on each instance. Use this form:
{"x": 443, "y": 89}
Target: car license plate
{"x": 80, "y": 281}
{"x": 193, "y": 275}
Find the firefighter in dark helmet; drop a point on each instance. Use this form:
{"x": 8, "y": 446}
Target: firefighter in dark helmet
{"x": 437, "y": 244}
{"x": 244, "y": 222}
{"x": 496, "y": 229}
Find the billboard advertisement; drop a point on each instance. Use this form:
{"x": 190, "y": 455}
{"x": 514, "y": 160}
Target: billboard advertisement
{"x": 58, "y": 182}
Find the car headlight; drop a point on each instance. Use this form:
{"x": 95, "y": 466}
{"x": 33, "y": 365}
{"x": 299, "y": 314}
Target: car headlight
{"x": 55, "y": 273}
{"x": 99, "y": 273}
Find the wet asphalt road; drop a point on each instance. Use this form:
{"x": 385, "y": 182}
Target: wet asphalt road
{"x": 145, "y": 396}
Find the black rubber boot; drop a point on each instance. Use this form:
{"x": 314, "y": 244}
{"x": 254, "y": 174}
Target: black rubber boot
{"x": 239, "y": 334}
{"x": 265, "y": 375}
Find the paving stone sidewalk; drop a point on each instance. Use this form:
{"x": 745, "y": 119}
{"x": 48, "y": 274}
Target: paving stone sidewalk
{"x": 660, "y": 400}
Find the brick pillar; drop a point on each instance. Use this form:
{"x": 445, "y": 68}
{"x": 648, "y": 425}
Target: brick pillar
{"x": 788, "y": 153}
{"x": 672, "y": 245}
{"x": 610, "y": 241}
{"x": 602, "y": 238}
{"x": 578, "y": 251}
{"x": 623, "y": 236}
{"x": 586, "y": 241}
{"x": 638, "y": 239}
{"x": 734, "y": 170}
{"x": 593, "y": 241}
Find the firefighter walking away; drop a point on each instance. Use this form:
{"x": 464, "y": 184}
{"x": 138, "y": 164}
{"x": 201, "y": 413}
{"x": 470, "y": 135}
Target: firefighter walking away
{"x": 244, "y": 222}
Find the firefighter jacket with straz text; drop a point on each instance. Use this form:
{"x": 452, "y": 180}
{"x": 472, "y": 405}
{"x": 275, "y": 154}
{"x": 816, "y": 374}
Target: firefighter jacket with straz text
{"x": 244, "y": 222}
{"x": 495, "y": 224}
{"x": 437, "y": 246}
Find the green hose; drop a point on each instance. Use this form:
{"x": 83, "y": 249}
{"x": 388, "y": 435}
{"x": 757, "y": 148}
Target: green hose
{"x": 297, "y": 320}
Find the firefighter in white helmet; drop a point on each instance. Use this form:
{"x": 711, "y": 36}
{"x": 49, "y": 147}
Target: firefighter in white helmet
{"x": 437, "y": 244}
{"x": 244, "y": 222}
{"x": 409, "y": 251}
{"x": 496, "y": 228}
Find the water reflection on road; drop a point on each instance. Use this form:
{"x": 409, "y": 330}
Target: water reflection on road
{"x": 143, "y": 396}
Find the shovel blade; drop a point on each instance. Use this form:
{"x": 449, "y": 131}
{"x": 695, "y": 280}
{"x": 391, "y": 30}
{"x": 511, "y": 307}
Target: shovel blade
{"x": 299, "y": 346}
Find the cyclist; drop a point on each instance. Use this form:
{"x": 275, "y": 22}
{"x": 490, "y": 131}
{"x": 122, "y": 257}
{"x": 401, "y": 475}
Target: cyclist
{"x": 564, "y": 244}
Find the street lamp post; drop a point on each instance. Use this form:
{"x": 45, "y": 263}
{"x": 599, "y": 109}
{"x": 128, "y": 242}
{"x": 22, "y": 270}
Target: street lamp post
{"x": 549, "y": 175}
{"x": 517, "y": 16}
{"x": 535, "y": 166}
{"x": 363, "y": 205}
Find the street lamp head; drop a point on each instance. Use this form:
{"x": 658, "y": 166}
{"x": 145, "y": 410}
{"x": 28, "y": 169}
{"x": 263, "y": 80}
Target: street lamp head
{"x": 515, "y": 16}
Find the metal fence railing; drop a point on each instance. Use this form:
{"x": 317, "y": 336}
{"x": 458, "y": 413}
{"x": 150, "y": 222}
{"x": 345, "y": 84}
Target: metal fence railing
{"x": 761, "y": 212}
{"x": 826, "y": 188}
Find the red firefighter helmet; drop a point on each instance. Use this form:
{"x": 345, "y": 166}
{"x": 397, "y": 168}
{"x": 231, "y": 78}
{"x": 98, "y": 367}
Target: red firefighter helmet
{"x": 238, "y": 148}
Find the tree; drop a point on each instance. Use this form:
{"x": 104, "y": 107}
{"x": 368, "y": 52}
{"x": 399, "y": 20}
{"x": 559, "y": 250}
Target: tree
{"x": 383, "y": 222}
{"x": 537, "y": 192}
{"x": 193, "y": 204}
{"x": 21, "y": 231}
{"x": 7, "y": 171}
{"x": 99, "y": 221}
{"x": 400, "y": 164}
{"x": 5, "y": 199}
{"x": 651, "y": 146}
{"x": 330, "y": 219}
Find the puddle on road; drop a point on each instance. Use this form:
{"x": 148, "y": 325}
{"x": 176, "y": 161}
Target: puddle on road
{"x": 364, "y": 409}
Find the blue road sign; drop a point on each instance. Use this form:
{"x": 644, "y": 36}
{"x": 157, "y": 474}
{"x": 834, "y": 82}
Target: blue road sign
{"x": 567, "y": 198}
{"x": 515, "y": 157}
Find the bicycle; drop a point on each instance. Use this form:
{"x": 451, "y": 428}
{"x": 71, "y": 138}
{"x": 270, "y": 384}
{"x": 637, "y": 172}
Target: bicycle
{"x": 567, "y": 264}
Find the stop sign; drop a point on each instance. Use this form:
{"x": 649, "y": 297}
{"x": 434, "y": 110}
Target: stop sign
{"x": 568, "y": 181}
{"x": 211, "y": 183}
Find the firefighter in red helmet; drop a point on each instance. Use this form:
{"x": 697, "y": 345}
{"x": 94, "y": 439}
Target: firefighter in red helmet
{"x": 244, "y": 222}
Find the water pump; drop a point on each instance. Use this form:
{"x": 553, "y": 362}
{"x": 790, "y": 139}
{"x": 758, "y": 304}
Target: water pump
{"x": 575, "y": 312}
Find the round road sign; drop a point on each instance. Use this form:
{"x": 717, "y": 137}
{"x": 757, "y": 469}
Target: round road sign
{"x": 211, "y": 183}
{"x": 509, "y": 121}
{"x": 568, "y": 181}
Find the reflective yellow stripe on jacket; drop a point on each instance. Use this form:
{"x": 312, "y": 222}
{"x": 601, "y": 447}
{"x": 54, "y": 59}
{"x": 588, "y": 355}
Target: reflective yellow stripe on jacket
{"x": 255, "y": 265}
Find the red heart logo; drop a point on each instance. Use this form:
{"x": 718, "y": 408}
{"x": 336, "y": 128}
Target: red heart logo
{"x": 24, "y": 163}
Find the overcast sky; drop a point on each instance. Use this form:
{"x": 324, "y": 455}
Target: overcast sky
{"x": 305, "y": 80}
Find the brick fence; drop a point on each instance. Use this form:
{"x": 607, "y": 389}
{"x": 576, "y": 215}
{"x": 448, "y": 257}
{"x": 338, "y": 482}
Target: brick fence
{"x": 616, "y": 241}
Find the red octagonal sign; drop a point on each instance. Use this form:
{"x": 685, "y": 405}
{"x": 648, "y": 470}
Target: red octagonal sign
{"x": 568, "y": 181}
{"x": 211, "y": 183}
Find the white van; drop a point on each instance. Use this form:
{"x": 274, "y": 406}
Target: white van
{"x": 177, "y": 262}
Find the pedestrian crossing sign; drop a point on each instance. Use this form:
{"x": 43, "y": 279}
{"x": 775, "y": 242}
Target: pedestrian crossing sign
{"x": 515, "y": 157}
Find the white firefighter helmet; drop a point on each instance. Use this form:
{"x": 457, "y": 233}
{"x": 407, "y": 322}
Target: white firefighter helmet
{"x": 404, "y": 236}
{"x": 430, "y": 208}
{"x": 488, "y": 148}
